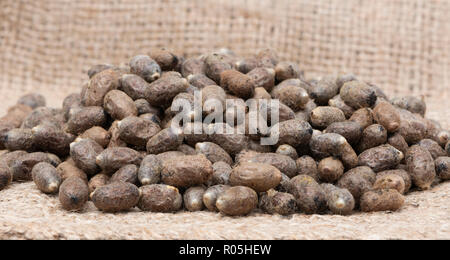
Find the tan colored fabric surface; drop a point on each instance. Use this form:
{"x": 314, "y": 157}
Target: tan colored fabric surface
{"x": 26, "y": 213}
{"x": 402, "y": 46}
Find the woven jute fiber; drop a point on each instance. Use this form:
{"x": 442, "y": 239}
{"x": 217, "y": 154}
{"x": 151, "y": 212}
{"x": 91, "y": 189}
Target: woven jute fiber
{"x": 402, "y": 46}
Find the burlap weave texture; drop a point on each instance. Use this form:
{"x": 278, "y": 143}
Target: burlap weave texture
{"x": 402, "y": 46}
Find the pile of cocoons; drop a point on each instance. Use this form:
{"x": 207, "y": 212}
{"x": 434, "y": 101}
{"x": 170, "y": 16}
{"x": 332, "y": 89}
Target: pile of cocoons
{"x": 343, "y": 145}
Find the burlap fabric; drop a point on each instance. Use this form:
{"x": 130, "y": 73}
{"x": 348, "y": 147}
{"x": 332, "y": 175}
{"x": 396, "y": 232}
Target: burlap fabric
{"x": 403, "y": 46}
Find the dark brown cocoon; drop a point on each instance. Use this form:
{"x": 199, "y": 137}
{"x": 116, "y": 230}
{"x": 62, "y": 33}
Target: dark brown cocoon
{"x": 262, "y": 78}
{"x": 232, "y": 109}
{"x": 193, "y": 198}
{"x": 306, "y": 165}
{"x": 213, "y": 152}
{"x": 73, "y": 194}
{"x": 322, "y": 117}
{"x": 68, "y": 169}
{"x": 399, "y": 172}
{"x": 5, "y": 176}
{"x": 232, "y": 143}
{"x": 98, "y": 134}
{"x": 412, "y": 104}
{"x": 137, "y": 131}
{"x": 191, "y": 137}
{"x": 19, "y": 139}
{"x": 212, "y": 96}
{"x": 186, "y": 171}
{"x": 412, "y": 127}
{"x": 72, "y": 101}
{"x": 119, "y": 105}
{"x": 162, "y": 91}
{"x": 329, "y": 144}
{"x": 112, "y": 159}
{"x": 421, "y": 166}
{"x": 165, "y": 59}
{"x": 97, "y": 87}
{"x": 283, "y": 163}
{"x": 247, "y": 64}
{"x": 192, "y": 66}
{"x": 200, "y": 81}
{"x": 373, "y": 135}
{"x": 46, "y": 177}
{"x": 98, "y": 68}
{"x": 381, "y": 158}
{"x": 150, "y": 170}
{"x": 382, "y": 200}
{"x": 358, "y": 181}
{"x": 211, "y": 194}
{"x": 86, "y": 118}
{"x": 144, "y": 107}
{"x": 287, "y": 150}
{"x": 51, "y": 139}
{"x": 387, "y": 115}
{"x": 339, "y": 201}
{"x": 169, "y": 155}
{"x": 363, "y": 116}
{"x": 294, "y": 132}
{"x": 127, "y": 173}
{"x": 358, "y": 94}
{"x": 443, "y": 168}
{"x": 145, "y": 67}
{"x": 337, "y": 102}
{"x": 291, "y": 94}
{"x": 215, "y": 64}
{"x": 284, "y": 183}
{"x": 221, "y": 174}
{"x": 258, "y": 176}
{"x": 390, "y": 181}
{"x": 261, "y": 93}
{"x": 309, "y": 195}
{"x": 267, "y": 58}
{"x": 32, "y": 100}
{"x": 115, "y": 197}
{"x": 84, "y": 153}
{"x": 330, "y": 169}
{"x": 351, "y": 131}
{"x": 14, "y": 118}
{"x": 97, "y": 181}
{"x": 324, "y": 90}
{"x": 274, "y": 202}
{"x": 287, "y": 70}
{"x": 433, "y": 147}
{"x": 21, "y": 166}
{"x": 43, "y": 115}
{"x": 398, "y": 142}
{"x": 237, "y": 201}
{"x": 159, "y": 198}
{"x": 237, "y": 83}
{"x": 166, "y": 140}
